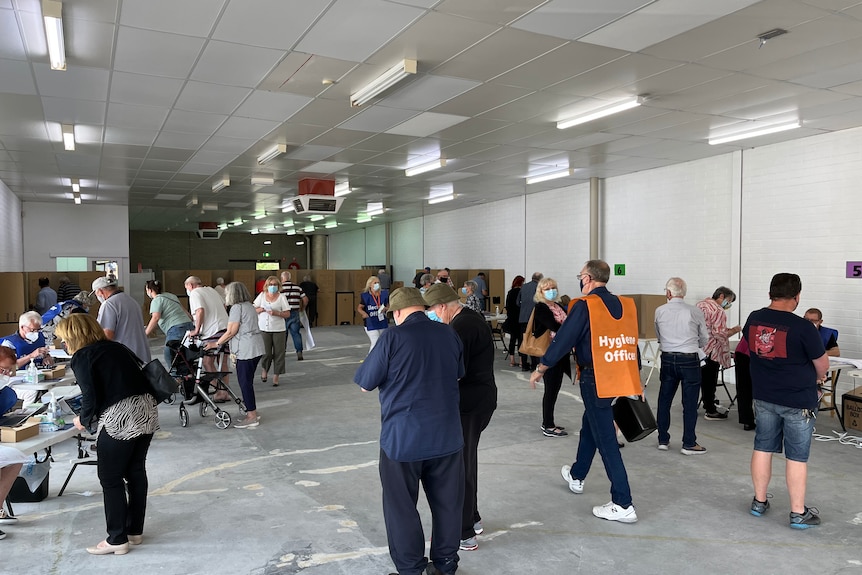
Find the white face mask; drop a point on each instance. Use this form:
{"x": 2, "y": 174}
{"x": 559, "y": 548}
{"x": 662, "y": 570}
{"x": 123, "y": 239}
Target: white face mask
{"x": 189, "y": 292}
{"x": 32, "y": 336}
{"x": 4, "y": 381}
{"x": 100, "y": 298}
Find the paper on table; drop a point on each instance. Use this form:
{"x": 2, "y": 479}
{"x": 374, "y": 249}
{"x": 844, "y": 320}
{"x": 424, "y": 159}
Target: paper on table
{"x": 59, "y": 354}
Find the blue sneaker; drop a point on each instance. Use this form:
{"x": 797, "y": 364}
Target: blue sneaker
{"x": 810, "y": 518}
{"x": 758, "y": 508}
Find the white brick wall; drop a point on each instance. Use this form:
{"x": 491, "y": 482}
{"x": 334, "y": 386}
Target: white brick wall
{"x": 406, "y": 249}
{"x": 12, "y": 254}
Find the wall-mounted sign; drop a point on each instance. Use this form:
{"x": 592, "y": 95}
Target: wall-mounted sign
{"x": 619, "y": 269}
{"x": 854, "y": 270}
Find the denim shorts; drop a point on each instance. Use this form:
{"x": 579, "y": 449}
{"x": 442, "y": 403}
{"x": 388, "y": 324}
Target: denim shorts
{"x": 777, "y": 424}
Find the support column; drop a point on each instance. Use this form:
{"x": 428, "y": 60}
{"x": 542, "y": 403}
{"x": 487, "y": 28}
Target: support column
{"x": 318, "y": 245}
{"x": 594, "y": 218}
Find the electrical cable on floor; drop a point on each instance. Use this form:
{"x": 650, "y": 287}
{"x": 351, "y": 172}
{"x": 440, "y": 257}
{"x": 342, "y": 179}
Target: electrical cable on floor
{"x": 842, "y": 438}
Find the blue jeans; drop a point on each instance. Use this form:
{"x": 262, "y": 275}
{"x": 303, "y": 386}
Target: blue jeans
{"x": 676, "y": 369}
{"x": 292, "y": 324}
{"x": 777, "y": 425}
{"x": 176, "y": 333}
{"x": 597, "y": 433}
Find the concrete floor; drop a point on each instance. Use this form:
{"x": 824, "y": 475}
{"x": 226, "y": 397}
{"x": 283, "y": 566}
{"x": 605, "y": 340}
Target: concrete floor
{"x": 301, "y": 494}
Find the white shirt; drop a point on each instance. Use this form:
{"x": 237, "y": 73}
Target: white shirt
{"x": 215, "y": 315}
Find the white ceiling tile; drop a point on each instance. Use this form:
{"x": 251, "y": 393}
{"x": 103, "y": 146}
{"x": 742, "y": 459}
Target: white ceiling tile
{"x": 334, "y": 34}
{"x": 200, "y": 97}
{"x": 277, "y": 106}
{"x": 17, "y": 78}
{"x": 572, "y": 19}
{"x": 246, "y": 128}
{"x": 285, "y": 21}
{"x": 128, "y": 136}
{"x": 169, "y": 197}
{"x": 235, "y": 145}
{"x": 427, "y": 92}
{"x": 89, "y": 43}
{"x": 137, "y": 117}
{"x": 312, "y": 152}
{"x": 204, "y": 156}
{"x": 71, "y": 111}
{"x": 156, "y": 53}
{"x": 659, "y": 21}
{"x": 92, "y": 10}
{"x": 235, "y": 64}
{"x": 193, "y": 122}
{"x": 426, "y": 124}
{"x": 82, "y": 83}
{"x": 189, "y": 17}
{"x": 833, "y": 77}
{"x": 377, "y": 119}
{"x": 489, "y": 10}
{"x": 129, "y": 88}
{"x": 11, "y": 44}
{"x": 326, "y": 167}
{"x": 202, "y": 169}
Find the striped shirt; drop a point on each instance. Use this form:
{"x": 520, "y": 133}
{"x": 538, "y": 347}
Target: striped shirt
{"x": 293, "y": 293}
{"x": 131, "y": 417}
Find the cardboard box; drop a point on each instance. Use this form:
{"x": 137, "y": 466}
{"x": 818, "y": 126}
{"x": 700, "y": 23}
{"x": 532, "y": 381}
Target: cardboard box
{"x": 20, "y": 433}
{"x": 55, "y": 372}
{"x": 851, "y": 409}
{"x": 646, "y": 305}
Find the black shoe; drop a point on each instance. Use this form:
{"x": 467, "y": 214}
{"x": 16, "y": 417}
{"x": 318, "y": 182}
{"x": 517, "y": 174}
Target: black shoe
{"x": 749, "y": 426}
{"x": 525, "y": 368}
{"x": 715, "y": 415}
{"x": 805, "y": 520}
{"x": 299, "y": 356}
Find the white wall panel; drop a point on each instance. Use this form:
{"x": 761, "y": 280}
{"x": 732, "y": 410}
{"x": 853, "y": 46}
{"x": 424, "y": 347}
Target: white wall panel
{"x": 12, "y": 254}
{"x": 375, "y": 246}
{"x": 347, "y": 250}
{"x": 406, "y": 249}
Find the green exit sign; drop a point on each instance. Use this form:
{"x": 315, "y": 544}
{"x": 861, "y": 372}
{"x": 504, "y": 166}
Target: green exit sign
{"x": 266, "y": 254}
{"x": 619, "y": 269}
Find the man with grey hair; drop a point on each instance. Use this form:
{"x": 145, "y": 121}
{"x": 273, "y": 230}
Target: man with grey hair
{"x": 207, "y": 309}
{"x": 385, "y": 278}
{"x": 121, "y": 317}
{"x": 219, "y": 287}
{"x": 681, "y": 332}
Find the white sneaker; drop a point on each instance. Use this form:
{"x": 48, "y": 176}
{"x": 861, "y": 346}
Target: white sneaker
{"x": 613, "y": 512}
{"x": 5, "y": 518}
{"x": 575, "y": 485}
{"x": 662, "y": 446}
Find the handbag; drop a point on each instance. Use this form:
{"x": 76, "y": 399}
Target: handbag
{"x": 634, "y": 417}
{"x": 532, "y": 345}
{"x": 159, "y": 382}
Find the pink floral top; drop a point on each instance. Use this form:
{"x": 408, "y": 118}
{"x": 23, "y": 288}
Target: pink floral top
{"x": 718, "y": 346}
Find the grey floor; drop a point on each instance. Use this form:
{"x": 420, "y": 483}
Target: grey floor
{"x": 301, "y": 494}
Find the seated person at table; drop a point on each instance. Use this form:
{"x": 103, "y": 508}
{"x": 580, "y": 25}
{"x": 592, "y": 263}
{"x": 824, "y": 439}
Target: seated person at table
{"x": 29, "y": 344}
{"x": 10, "y": 458}
{"x": 828, "y": 335}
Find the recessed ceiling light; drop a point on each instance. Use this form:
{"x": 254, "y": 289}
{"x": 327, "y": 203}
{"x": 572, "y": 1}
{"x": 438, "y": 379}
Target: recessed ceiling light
{"x": 52, "y": 15}
{"x": 427, "y": 167}
{"x": 68, "y": 137}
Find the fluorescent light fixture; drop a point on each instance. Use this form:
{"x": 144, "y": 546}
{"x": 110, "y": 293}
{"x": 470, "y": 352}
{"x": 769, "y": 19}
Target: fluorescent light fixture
{"x": 601, "y": 113}
{"x": 422, "y": 168}
{"x": 260, "y": 216}
{"x": 69, "y": 137}
{"x": 315, "y": 218}
{"x": 550, "y": 176}
{"x": 52, "y": 14}
{"x": 374, "y": 209}
{"x": 754, "y": 133}
{"x": 77, "y": 198}
{"x": 221, "y": 184}
{"x": 383, "y": 82}
{"x": 209, "y": 207}
{"x": 342, "y": 189}
{"x": 291, "y": 232}
{"x": 192, "y": 202}
{"x": 267, "y": 242}
{"x": 330, "y": 225}
{"x": 308, "y": 229}
{"x": 288, "y": 223}
{"x": 300, "y": 243}
{"x": 287, "y": 208}
{"x": 272, "y": 153}
{"x": 441, "y": 199}
{"x": 238, "y": 222}
{"x": 262, "y": 180}
{"x": 254, "y": 232}
{"x": 76, "y": 185}
{"x": 223, "y": 226}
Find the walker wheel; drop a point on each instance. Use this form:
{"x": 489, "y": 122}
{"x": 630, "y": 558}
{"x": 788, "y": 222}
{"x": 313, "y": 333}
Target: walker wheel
{"x": 184, "y": 416}
{"x": 203, "y": 408}
{"x": 222, "y": 419}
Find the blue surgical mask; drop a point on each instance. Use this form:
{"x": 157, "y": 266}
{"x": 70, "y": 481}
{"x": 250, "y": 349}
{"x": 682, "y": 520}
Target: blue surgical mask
{"x": 464, "y": 290}
{"x": 375, "y": 287}
{"x": 432, "y": 315}
{"x": 272, "y": 289}
{"x": 727, "y": 303}
{"x": 550, "y": 294}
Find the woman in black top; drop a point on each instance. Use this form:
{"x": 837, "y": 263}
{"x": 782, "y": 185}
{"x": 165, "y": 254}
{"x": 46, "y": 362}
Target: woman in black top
{"x": 511, "y": 325}
{"x": 550, "y": 315}
{"x": 117, "y": 404}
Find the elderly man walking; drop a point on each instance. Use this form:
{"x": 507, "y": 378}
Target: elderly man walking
{"x": 416, "y": 367}
{"x": 681, "y": 332}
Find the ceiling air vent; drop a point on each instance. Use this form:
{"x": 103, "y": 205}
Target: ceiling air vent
{"x": 312, "y": 204}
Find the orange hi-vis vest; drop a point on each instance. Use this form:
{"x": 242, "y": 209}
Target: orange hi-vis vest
{"x": 615, "y": 348}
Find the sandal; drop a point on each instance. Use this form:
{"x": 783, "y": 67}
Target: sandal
{"x": 263, "y": 377}
{"x": 275, "y": 383}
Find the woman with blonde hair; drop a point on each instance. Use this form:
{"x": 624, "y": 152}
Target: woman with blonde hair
{"x": 272, "y": 308}
{"x": 372, "y": 307}
{"x": 549, "y": 315}
{"x": 117, "y": 404}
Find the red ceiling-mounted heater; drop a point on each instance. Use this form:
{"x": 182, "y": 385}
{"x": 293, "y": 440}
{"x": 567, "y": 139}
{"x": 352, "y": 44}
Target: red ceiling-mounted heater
{"x": 316, "y": 197}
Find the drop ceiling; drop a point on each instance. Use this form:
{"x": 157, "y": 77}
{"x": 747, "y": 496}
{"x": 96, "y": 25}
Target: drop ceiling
{"x": 169, "y": 97}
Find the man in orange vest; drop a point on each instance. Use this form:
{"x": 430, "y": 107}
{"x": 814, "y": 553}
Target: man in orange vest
{"x": 602, "y": 328}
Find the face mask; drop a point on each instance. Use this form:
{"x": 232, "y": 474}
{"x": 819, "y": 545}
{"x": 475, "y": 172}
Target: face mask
{"x": 188, "y": 293}
{"x": 4, "y": 381}
{"x": 423, "y": 289}
{"x": 32, "y": 337}
{"x": 464, "y": 290}
{"x": 272, "y": 289}
{"x": 550, "y": 294}
{"x": 582, "y": 284}
{"x": 100, "y": 298}
{"x": 375, "y": 287}
{"x": 432, "y": 315}
{"x": 727, "y": 304}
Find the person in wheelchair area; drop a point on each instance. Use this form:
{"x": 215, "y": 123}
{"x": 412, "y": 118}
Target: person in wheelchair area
{"x": 246, "y": 346}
